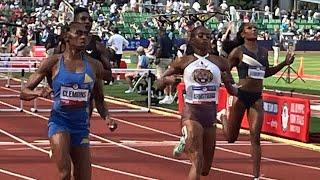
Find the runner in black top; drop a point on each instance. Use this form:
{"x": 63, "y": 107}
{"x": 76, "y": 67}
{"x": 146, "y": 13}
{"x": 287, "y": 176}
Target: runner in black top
{"x": 253, "y": 66}
{"x": 95, "y": 48}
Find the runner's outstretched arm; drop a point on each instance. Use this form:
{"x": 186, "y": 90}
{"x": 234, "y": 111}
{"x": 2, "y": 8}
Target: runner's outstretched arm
{"x": 28, "y": 93}
{"x": 170, "y": 76}
{"x": 227, "y": 79}
{"x": 273, "y": 70}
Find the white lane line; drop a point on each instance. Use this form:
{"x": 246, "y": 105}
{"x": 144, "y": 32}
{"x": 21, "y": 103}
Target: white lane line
{"x": 23, "y": 141}
{"x": 145, "y": 152}
{"x": 171, "y": 159}
{"x": 220, "y": 148}
{"x": 25, "y": 148}
{"x": 5, "y": 143}
{"x": 173, "y": 135}
{"x": 16, "y": 174}
{"x": 94, "y": 165}
{"x": 146, "y": 143}
{"x": 131, "y": 144}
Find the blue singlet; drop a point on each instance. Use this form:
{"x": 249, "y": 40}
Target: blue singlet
{"x": 70, "y": 112}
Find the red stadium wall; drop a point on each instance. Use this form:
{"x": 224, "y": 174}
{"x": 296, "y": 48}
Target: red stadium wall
{"x": 283, "y": 116}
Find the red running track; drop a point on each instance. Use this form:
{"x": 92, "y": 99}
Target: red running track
{"x": 141, "y": 148}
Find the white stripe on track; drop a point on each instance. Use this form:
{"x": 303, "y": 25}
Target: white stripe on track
{"x": 93, "y": 165}
{"x": 145, "y": 152}
{"x": 176, "y": 136}
{"x": 15, "y": 174}
{"x": 220, "y": 148}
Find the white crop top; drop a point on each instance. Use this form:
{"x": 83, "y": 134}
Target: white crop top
{"x": 202, "y": 80}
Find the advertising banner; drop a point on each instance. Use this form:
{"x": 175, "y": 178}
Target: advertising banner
{"x": 284, "y": 116}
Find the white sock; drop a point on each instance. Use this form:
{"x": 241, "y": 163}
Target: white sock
{"x": 184, "y": 132}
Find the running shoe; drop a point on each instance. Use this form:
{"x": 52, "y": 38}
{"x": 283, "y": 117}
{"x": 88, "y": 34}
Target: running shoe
{"x": 179, "y": 148}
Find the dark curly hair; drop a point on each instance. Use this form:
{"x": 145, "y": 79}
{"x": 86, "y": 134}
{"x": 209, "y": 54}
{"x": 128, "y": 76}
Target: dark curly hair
{"x": 229, "y": 45}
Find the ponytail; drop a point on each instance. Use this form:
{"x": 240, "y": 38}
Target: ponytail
{"x": 229, "y": 45}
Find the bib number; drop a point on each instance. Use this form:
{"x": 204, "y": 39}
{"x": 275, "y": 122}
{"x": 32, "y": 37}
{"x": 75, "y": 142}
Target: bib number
{"x": 256, "y": 72}
{"x": 73, "y": 97}
{"x": 200, "y": 94}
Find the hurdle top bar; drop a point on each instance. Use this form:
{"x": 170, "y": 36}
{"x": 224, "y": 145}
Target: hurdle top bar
{"x": 16, "y": 69}
{"x": 123, "y": 71}
{"x": 7, "y": 58}
{"x": 8, "y": 63}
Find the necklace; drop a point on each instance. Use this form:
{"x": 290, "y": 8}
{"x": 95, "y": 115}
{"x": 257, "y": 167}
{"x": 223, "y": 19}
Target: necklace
{"x": 200, "y": 57}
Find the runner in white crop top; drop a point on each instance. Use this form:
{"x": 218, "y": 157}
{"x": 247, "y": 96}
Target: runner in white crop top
{"x": 202, "y": 75}
{"x": 202, "y": 80}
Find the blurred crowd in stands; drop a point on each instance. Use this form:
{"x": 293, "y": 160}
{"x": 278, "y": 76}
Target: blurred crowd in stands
{"x": 41, "y": 25}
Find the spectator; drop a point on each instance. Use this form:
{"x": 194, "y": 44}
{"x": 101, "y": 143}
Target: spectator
{"x": 4, "y": 38}
{"x": 22, "y": 48}
{"x": 224, "y": 5}
{"x": 196, "y": 6}
{"x": 118, "y": 42}
{"x": 133, "y": 5}
{"x": 210, "y": 6}
{"x": 267, "y": 12}
{"x": 151, "y": 50}
{"x": 164, "y": 58}
{"x": 277, "y": 13}
{"x": 253, "y": 16}
{"x": 51, "y": 42}
{"x": 142, "y": 64}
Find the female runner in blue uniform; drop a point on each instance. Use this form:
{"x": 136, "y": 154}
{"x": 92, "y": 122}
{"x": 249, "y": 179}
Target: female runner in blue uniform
{"x": 75, "y": 79}
{"x": 252, "y": 64}
{"x": 202, "y": 75}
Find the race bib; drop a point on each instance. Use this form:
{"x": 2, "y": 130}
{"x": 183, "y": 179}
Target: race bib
{"x": 201, "y": 94}
{"x": 73, "y": 96}
{"x": 256, "y": 72}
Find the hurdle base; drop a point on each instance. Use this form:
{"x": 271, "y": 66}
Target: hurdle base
{"x": 125, "y": 110}
{"x": 11, "y": 110}
{"x": 34, "y": 110}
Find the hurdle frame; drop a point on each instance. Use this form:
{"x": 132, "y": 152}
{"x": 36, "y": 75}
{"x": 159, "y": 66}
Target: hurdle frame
{"x": 145, "y": 73}
{"x": 22, "y": 70}
{"x": 11, "y": 62}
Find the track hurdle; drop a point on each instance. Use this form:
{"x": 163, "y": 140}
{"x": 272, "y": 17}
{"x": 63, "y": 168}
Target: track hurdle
{"x": 22, "y": 70}
{"x": 15, "y": 64}
{"x": 145, "y": 73}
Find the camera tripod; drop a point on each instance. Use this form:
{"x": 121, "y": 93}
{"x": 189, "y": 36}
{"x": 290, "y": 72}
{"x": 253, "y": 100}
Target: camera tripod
{"x": 287, "y": 72}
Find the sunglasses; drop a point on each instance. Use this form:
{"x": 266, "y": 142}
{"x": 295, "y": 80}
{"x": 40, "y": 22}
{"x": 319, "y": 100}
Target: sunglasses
{"x": 201, "y": 35}
{"x": 85, "y": 18}
{"x": 81, "y": 33}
